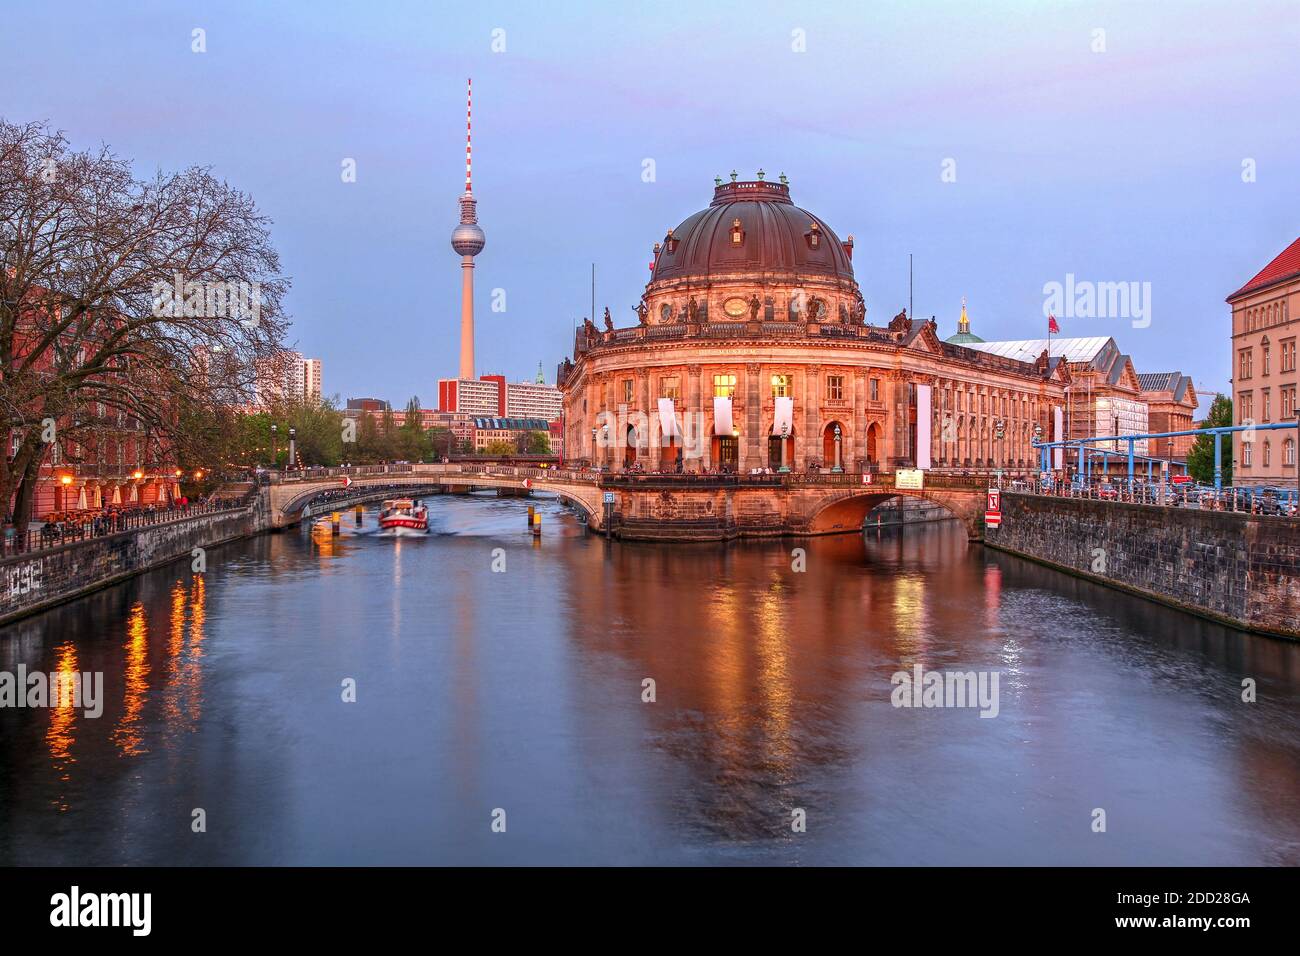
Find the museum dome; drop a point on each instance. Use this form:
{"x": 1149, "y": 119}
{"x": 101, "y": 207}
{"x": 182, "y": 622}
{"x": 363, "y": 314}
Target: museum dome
{"x": 752, "y": 227}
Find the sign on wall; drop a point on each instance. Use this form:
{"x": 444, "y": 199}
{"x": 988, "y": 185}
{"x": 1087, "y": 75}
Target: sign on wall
{"x": 909, "y": 479}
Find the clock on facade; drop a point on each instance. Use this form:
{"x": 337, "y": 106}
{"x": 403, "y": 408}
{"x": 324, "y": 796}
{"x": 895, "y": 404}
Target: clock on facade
{"x": 735, "y": 307}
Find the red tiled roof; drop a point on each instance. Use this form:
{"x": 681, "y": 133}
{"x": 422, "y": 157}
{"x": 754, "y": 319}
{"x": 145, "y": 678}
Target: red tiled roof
{"x": 1285, "y": 266}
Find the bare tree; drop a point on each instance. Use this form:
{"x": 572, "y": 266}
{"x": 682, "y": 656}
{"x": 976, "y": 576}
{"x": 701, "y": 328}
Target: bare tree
{"x": 116, "y": 295}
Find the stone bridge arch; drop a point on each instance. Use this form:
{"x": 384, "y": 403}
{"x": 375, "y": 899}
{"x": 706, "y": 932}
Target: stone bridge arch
{"x": 844, "y": 511}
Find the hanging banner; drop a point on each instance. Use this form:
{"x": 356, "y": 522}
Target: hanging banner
{"x": 722, "y": 416}
{"x": 924, "y": 414}
{"x": 668, "y": 420}
{"x": 783, "y": 423}
{"x": 1058, "y": 422}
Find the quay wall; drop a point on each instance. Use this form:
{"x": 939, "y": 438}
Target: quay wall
{"x": 1239, "y": 569}
{"x": 38, "y": 580}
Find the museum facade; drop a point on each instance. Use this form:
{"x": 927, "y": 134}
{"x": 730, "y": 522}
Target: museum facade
{"x": 752, "y": 350}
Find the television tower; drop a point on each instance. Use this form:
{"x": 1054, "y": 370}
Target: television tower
{"x": 468, "y": 241}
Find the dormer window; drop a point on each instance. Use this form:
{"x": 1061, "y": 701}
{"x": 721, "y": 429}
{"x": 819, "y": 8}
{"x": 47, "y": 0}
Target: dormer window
{"x": 814, "y": 236}
{"x": 670, "y": 242}
{"x": 737, "y": 234}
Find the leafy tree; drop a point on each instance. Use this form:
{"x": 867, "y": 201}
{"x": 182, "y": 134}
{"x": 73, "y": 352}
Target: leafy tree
{"x": 89, "y": 319}
{"x": 1200, "y": 459}
{"x": 535, "y": 443}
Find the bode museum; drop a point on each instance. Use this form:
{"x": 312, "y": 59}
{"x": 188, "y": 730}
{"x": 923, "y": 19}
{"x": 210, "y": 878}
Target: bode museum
{"x": 753, "y": 351}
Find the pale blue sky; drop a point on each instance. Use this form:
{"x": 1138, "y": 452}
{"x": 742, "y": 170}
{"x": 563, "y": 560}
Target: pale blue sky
{"x": 1115, "y": 166}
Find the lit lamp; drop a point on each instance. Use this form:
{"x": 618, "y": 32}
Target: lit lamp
{"x": 65, "y": 479}
{"x": 137, "y": 475}
{"x": 785, "y": 432}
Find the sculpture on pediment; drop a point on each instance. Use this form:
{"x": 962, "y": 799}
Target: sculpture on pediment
{"x": 642, "y": 312}
{"x": 754, "y": 306}
{"x": 609, "y": 322}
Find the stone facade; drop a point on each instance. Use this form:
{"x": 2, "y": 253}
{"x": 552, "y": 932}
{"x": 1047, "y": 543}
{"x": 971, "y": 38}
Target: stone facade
{"x": 1235, "y": 568}
{"x": 753, "y": 300}
{"x": 1265, "y": 380}
{"x": 33, "y": 582}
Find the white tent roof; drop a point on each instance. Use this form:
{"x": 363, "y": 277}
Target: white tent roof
{"x": 1028, "y": 350}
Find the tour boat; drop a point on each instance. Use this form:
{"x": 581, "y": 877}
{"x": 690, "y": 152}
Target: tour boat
{"x": 403, "y": 516}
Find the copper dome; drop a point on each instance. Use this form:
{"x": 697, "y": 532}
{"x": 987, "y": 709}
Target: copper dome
{"x": 775, "y": 236}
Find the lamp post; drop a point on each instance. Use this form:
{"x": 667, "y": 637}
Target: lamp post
{"x": 274, "y": 448}
{"x": 293, "y": 434}
{"x": 999, "y": 431}
{"x": 785, "y": 432}
{"x": 838, "y": 468}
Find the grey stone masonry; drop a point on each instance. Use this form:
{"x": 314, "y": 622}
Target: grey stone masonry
{"x": 1240, "y": 569}
{"x": 32, "y": 582}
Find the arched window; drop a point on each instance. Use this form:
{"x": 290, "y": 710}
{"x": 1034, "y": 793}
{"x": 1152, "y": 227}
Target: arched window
{"x": 1288, "y": 452}
{"x": 1268, "y": 454}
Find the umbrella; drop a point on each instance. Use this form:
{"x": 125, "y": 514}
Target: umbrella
{"x": 81, "y": 499}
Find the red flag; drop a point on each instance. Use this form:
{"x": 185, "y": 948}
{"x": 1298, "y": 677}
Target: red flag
{"x": 1052, "y": 327}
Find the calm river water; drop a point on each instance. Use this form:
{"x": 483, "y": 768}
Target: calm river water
{"x": 521, "y": 691}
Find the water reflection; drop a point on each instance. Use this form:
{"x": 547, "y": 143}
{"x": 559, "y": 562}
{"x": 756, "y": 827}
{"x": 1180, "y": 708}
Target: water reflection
{"x": 524, "y": 690}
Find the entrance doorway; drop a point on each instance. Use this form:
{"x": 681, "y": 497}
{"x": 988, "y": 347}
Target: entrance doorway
{"x": 780, "y": 451}
{"x": 726, "y": 451}
{"x": 830, "y": 458}
{"x": 629, "y": 452}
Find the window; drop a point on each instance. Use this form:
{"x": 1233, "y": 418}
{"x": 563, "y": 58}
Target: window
{"x": 670, "y": 386}
{"x": 1267, "y": 350}
{"x": 724, "y": 386}
{"x": 1244, "y": 363}
{"x": 1245, "y": 408}
{"x": 737, "y": 234}
{"x": 875, "y": 389}
{"x": 780, "y": 386}
{"x": 835, "y": 387}
{"x": 1288, "y": 403}
{"x": 627, "y": 391}
{"x": 1264, "y": 404}
{"x": 1246, "y": 447}
{"x": 1288, "y": 452}
{"x": 1268, "y": 454}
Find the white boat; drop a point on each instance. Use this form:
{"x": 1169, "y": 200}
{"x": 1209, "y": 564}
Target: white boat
{"x": 404, "y": 516}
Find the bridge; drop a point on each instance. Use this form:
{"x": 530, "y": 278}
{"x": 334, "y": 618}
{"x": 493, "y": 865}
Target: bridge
{"x": 647, "y": 507}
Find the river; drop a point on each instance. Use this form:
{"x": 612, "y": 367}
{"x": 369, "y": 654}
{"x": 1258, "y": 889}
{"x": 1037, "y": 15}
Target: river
{"x": 501, "y": 679}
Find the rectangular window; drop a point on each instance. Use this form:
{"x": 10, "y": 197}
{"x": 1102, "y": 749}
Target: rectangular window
{"x": 875, "y": 389}
{"x": 780, "y": 386}
{"x": 835, "y": 386}
{"x": 1243, "y": 364}
{"x": 670, "y": 386}
{"x": 724, "y": 386}
{"x": 627, "y": 391}
{"x": 1265, "y": 403}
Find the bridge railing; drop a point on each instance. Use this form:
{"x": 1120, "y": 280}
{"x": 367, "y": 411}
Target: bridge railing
{"x": 1275, "y": 503}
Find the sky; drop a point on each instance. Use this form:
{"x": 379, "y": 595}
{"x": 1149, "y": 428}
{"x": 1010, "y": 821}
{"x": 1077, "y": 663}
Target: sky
{"x": 1004, "y": 145}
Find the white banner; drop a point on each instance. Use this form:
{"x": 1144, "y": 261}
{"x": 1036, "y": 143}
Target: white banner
{"x": 1058, "y": 427}
{"x": 784, "y": 416}
{"x": 923, "y": 416}
{"x": 668, "y": 420}
{"x": 722, "y": 416}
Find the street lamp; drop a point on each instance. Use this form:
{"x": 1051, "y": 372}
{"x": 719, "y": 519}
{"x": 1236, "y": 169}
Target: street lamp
{"x": 785, "y": 433}
{"x": 293, "y": 432}
{"x": 999, "y": 431}
{"x": 275, "y": 452}
{"x": 838, "y": 468}
{"x": 593, "y": 447}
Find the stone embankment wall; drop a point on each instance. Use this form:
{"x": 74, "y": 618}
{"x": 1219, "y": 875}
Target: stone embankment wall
{"x": 40, "y": 579}
{"x": 1235, "y": 568}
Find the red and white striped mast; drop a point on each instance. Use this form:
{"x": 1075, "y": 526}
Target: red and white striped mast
{"x": 468, "y": 241}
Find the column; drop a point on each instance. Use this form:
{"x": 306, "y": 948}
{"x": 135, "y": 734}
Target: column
{"x": 695, "y": 409}
{"x": 858, "y": 459}
{"x": 812, "y": 415}
{"x": 753, "y": 437}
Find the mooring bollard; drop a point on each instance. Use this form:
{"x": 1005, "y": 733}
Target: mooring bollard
{"x": 335, "y": 518}
{"x": 360, "y": 511}
{"x": 537, "y": 524}
{"x": 531, "y": 513}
